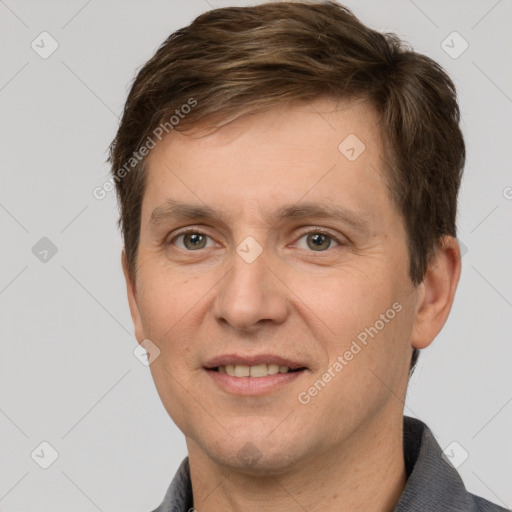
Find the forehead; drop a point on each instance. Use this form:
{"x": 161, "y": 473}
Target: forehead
{"x": 323, "y": 150}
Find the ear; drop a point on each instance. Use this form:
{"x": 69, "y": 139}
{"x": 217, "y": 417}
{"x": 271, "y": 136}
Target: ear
{"x": 132, "y": 299}
{"x": 436, "y": 293}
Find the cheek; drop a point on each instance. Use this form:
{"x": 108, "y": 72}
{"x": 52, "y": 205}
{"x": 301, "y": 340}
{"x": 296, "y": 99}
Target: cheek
{"x": 165, "y": 298}
{"x": 368, "y": 359}
{"x": 362, "y": 318}
{"x": 174, "y": 309}
{"x": 170, "y": 310}
{"x": 349, "y": 300}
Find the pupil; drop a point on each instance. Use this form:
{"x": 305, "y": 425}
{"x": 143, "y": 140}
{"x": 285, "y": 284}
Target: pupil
{"x": 318, "y": 239}
{"x": 194, "y": 239}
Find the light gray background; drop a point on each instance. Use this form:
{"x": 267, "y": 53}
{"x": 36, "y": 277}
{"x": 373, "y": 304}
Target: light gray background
{"x": 67, "y": 372}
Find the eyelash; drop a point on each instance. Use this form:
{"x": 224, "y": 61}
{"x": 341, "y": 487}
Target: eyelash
{"x": 302, "y": 234}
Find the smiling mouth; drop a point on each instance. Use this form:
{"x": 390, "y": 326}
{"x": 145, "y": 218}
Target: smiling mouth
{"x": 257, "y": 371}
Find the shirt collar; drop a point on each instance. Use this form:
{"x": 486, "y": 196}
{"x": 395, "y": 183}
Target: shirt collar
{"x": 432, "y": 484}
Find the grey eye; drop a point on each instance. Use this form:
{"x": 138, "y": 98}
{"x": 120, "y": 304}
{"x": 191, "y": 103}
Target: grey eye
{"x": 192, "y": 241}
{"x": 317, "y": 242}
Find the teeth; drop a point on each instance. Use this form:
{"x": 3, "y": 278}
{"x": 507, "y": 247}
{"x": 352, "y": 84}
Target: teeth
{"x": 273, "y": 369}
{"x": 258, "y": 370}
{"x": 242, "y": 371}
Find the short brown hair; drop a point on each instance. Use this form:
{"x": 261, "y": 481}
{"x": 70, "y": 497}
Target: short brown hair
{"x": 236, "y": 61}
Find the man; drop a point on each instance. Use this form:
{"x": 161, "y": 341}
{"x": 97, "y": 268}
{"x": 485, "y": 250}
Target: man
{"x": 288, "y": 184}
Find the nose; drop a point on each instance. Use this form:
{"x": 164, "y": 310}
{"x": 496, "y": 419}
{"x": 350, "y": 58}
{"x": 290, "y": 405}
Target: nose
{"x": 251, "y": 294}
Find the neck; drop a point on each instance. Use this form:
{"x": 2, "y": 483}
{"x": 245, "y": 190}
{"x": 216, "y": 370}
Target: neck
{"x": 366, "y": 473}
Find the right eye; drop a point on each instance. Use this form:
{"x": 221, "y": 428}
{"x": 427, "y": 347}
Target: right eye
{"x": 192, "y": 240}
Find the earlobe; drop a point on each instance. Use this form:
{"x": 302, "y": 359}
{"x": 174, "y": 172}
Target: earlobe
{"x": 436, "y": 293}
{"x": 131, "y": 292}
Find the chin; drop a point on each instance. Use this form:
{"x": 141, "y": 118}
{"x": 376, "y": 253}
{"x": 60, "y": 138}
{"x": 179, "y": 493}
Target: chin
{"x": 255, "y": 453}
{"x": 250, "y": 460}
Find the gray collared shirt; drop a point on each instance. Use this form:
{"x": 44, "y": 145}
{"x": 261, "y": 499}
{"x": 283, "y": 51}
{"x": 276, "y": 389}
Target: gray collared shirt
{"x": 433, "y": 485}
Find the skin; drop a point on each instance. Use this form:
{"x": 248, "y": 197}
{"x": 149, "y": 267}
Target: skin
{"x": 343, "y": 449}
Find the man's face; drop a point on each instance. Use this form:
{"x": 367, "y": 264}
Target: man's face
{"x": 249, "y": 286}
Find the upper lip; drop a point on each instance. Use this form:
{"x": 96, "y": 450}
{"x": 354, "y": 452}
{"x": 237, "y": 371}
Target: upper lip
{"x": 252, "y": 360}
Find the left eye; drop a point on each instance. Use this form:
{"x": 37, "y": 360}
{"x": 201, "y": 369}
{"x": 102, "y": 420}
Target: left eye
{"x": 317, "y": 241}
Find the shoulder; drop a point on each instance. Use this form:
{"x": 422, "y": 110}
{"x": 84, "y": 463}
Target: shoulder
{"x": 433, "y": 483}
{"x": 482, "y": 505}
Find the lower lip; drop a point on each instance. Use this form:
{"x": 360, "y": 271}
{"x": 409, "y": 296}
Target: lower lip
{"x": 252, "y": 385}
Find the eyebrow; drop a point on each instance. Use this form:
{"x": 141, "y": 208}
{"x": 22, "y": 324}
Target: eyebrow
{"x": 173, "y": 210}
